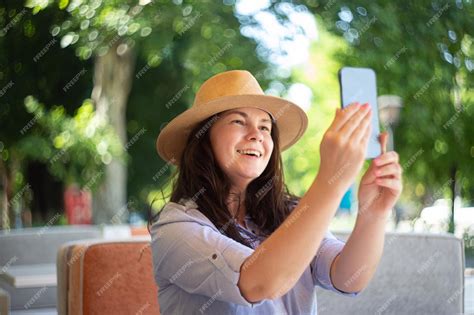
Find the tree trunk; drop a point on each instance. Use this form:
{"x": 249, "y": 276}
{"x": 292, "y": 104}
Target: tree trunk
{"x": 112, "y": 84}
{"x": 9, "y": 202}
{"x": 5, "y": 215}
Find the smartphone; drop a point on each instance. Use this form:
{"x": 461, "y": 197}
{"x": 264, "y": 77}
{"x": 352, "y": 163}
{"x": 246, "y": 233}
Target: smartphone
{"x": 359, "y": 85}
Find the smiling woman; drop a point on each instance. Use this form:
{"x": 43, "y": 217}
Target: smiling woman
{"x": 244, "y": 138}
{"x": 233, "y": 239}
{"x": 230, "y": 120}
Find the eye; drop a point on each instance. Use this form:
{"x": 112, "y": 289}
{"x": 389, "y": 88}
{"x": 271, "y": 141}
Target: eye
{"x": 238, "y": 121}
{"x": 265, "y": 128}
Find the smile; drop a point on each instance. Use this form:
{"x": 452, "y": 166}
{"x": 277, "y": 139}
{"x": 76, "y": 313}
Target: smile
{"x": 250, "y": 153}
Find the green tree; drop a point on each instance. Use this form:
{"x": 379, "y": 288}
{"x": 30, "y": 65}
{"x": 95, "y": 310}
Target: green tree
{"x": 31, "y": 63}
{"x": 175, "y": 47}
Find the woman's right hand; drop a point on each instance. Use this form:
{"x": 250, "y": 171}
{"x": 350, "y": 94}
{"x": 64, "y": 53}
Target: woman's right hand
{"x": 344, "y": 146}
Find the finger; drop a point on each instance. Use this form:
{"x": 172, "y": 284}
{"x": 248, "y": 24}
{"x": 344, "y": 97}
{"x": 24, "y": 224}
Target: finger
{"x": 392, "y": 169}
{"x": 343, "y": 115}
{"x": 354, "y": 122}
{"x": 362, "y": 138}
{"x": 351, "y": 106}
{"x": 391, "y": 183}
{"x": 364, "y": 130}
{"x": 386, "y": 158}
{"x": 370, "y": 176}
{"x": 383, "y": 138}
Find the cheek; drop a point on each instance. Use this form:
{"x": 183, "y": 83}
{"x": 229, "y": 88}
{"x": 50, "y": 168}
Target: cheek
{"x": 222, "y": 143}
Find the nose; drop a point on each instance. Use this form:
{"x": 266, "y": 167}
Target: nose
{"x": 255, "y": 134}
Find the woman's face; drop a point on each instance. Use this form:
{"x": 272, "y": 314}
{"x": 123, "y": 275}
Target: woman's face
{"x": 236, "y": 131}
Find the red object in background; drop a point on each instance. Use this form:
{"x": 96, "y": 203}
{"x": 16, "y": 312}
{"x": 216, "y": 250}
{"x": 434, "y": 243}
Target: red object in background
{"x": 78, "y": 205}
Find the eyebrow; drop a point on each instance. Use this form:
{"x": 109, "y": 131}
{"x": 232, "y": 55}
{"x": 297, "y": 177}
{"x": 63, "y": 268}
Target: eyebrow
{"x": 245, "y": 115}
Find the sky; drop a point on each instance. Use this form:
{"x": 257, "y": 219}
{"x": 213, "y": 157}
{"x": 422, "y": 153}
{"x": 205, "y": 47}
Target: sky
{"x": 272, "y": 31}
{"x": 286, "y": 52}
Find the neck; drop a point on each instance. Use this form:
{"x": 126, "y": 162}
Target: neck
{"x": 237, "y": 209}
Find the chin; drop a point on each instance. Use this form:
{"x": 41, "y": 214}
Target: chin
{"x": 251, "y": 175}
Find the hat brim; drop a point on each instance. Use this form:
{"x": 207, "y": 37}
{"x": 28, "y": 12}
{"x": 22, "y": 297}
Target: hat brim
{"x": 290, "y": 119}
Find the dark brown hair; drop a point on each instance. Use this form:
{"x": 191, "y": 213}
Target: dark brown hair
{"x": 199, "y": 177}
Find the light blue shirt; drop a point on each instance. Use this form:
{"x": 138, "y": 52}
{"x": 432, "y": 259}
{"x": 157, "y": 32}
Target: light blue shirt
{"x": 197, "y": 268}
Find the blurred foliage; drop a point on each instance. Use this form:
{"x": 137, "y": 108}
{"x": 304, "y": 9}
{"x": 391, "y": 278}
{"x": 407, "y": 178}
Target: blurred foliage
{"x": 31, "y": 64}
{"x": 423, "y": 52}
{"x": 177, "y": 46}
{"x": 75, "y": 149}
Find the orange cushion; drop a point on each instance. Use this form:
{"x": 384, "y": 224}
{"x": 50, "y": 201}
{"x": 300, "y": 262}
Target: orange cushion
{"x": 117, "y": 278}
{"x": 74, "y": 293}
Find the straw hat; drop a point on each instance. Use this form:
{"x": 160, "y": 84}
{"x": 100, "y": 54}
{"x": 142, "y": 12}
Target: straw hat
{"x": 224, "y": 91}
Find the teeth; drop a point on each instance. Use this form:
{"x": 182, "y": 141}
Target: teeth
{"x": 254, "y": 152}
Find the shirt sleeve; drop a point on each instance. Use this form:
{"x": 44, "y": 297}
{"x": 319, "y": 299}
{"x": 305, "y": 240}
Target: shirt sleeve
{"x": 321, "y": 264}
{"x": 200, "y": 260}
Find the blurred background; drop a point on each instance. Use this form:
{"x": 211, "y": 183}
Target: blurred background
{"x": 87, "y": 85}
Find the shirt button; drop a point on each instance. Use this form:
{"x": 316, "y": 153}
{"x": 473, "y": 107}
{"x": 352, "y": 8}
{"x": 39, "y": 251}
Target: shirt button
{"x": 214, "y": 256}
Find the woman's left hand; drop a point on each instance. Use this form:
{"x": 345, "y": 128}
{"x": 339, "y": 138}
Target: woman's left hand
{"x": 381, "y": 184}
